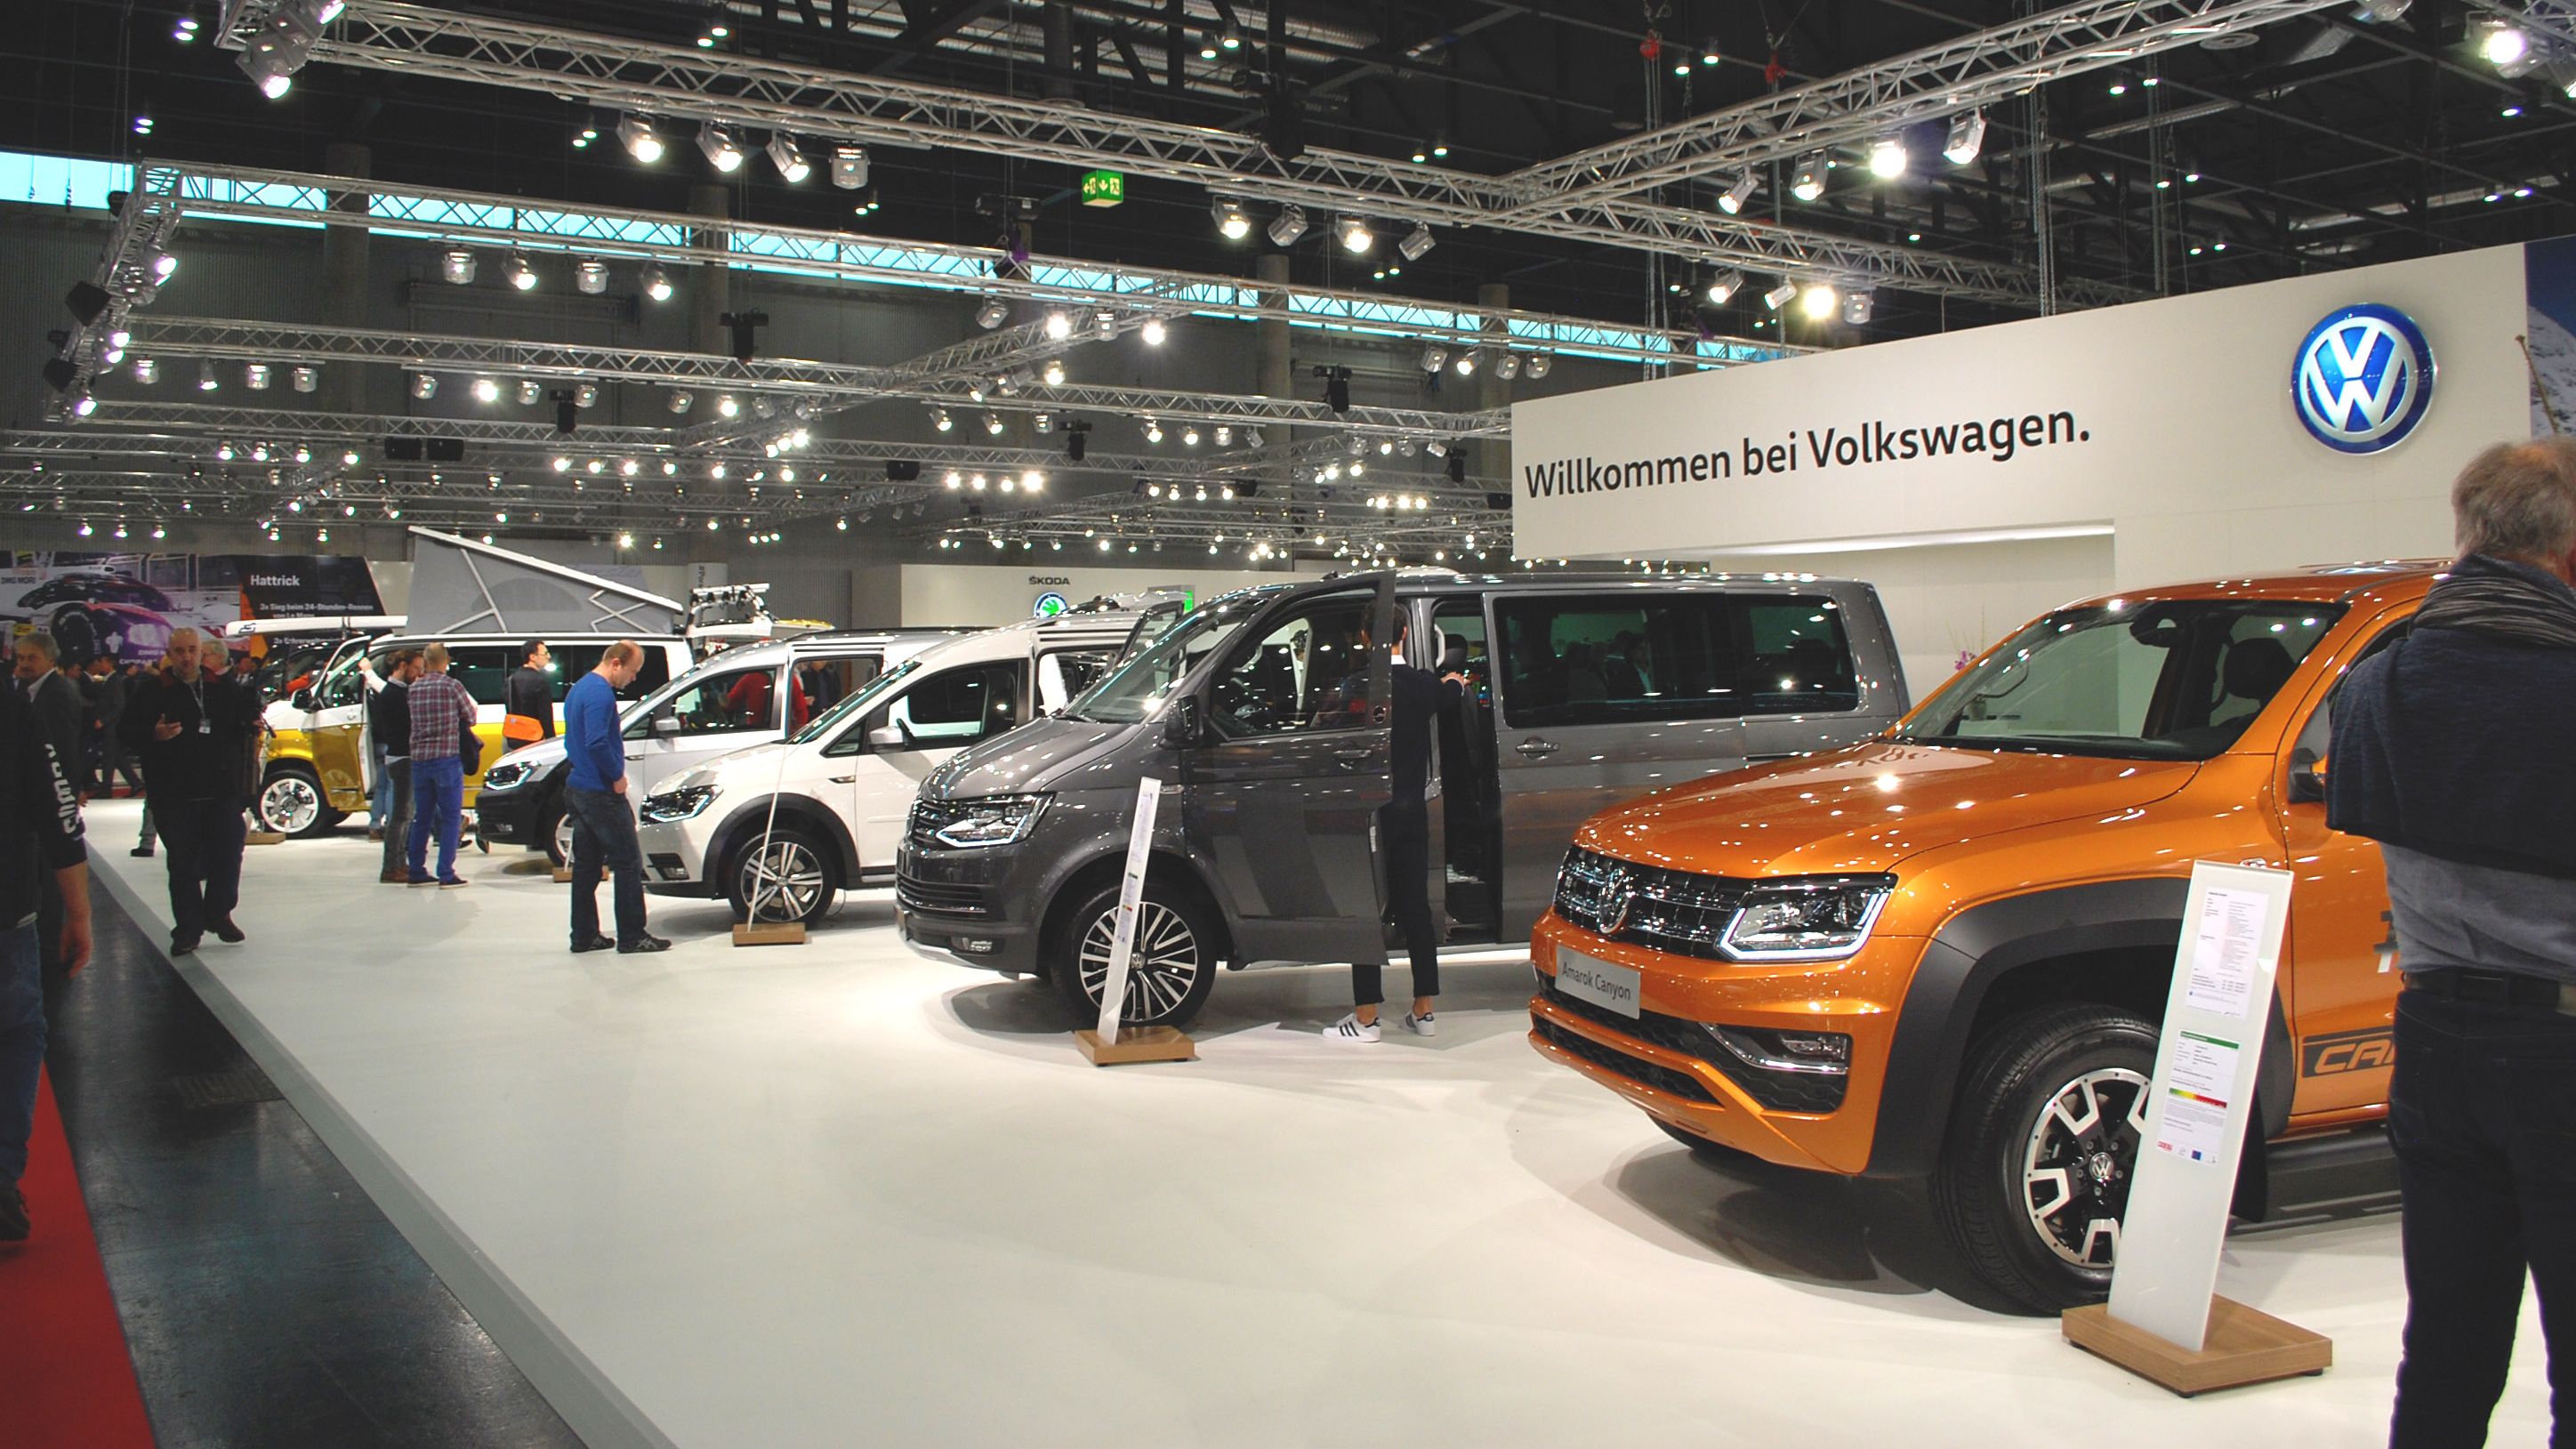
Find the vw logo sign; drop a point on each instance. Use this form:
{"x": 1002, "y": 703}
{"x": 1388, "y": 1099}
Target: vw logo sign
{"x": 1048, "y": 606}
{"x": 2363, "y": 379}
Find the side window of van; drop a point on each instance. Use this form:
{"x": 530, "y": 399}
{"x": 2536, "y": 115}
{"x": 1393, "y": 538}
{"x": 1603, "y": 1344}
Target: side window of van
{"x": 1602, "y": 659}
{"x": 572, "y": 661}
{"x": 949, "y": 710}
{"x": 712, "y": 705}
{"x": 1797, "y": 658}
{"x": 1308, "y": 671}
{"x": 484, "y": 669}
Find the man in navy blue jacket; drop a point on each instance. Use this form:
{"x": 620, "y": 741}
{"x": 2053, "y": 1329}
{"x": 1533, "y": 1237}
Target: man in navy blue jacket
{"x": 603, "y": 827}
{"x": 2451, "y": 750}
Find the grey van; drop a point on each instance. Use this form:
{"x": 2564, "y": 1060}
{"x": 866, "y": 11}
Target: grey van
{"x": 1262, "y": 716}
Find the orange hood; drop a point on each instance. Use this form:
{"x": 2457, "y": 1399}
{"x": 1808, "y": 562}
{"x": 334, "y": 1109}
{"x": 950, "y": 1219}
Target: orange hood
{"x": 1865, "y": 808}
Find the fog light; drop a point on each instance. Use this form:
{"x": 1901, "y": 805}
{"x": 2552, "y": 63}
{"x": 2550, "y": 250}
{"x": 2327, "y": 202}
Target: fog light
{"x": 974, "y": 947}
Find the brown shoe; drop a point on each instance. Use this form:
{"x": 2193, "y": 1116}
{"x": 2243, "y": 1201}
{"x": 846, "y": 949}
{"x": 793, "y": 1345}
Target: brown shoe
{"x": 396, "y": 876}
{"x": 375, "y": 835}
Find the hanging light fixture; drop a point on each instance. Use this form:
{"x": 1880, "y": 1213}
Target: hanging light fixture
{"x": 424, "y": 385}
{"x": 1153, "y": 331}
{"x": 255, "y": 376}
{"x": 1858, "y": 308}
{"x": 522, "y": 275}
{"x": 1781, "y": 295}
{"x": 457, "y": 265}
{"x": 1887, "y": 158}
{"x": 784, "y": 154}
{"x": 1733, "y": 199}
{"x": 1808, "y": 181}
{"x": 850, "y": 167}
{"x": 306, "y": 379}
{"x": 1416, "y": 243}
{"x": 716, "y": 142}
{"x": 1232, "y": 221}
{"x": 1355, "y": 235}
{"x": 1287, "y": 226}
{"x": 590, "y": 276}
{"x": 1967, "y": 137}
{"x": 1819, "y": 301}
{"x": 531, "y": 392}
{"x": 641, "y": 141}
{"x": 657, "y": 282}
{"x": 1723, "y": 287}
{"x": 1434, "y": 357}
{"x": 146, "y": 370}
{"x": 992, "y": 314}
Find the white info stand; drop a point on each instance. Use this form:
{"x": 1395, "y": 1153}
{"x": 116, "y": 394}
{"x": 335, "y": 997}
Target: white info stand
{"x": 1106, "y": 1045}
{"x": 2164, "y": 1321}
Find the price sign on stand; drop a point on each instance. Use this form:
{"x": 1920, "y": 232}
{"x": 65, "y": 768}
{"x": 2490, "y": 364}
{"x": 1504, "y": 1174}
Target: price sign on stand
{"x": 1104, "y": 1043}
{"x": 2164, "y": 1320}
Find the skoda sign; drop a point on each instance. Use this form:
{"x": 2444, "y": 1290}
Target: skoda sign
{"x": 1049, "y": 605}
{"x": 2363, "y": 379}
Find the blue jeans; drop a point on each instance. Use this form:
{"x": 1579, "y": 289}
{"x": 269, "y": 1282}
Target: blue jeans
{"x": 22, "y": 1047}
{"x": 2479, "y": 1115}
{"x": 438, "y": 808}
{"x": 380, "y": 800}
{"x": 603, "y": 833}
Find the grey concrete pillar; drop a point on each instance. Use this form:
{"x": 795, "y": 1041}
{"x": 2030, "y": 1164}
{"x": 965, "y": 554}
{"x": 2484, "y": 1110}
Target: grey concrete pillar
{"x": 344, "y": 276}
{"x": 710, "y": 295}
{"x": 1491, "y": 457}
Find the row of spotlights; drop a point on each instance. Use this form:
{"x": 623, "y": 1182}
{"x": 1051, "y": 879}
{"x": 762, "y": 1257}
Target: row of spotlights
{"x": 459, "y": 266}
{"x": 721, "y": 144}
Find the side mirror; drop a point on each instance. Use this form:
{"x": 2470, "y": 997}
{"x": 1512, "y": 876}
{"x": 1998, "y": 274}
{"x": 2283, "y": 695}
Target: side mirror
{"x": 1183, "y": 723}
{"x": 887, "y": 737}
{"x": 665, "y": 722}
{"x": 2307, "y": 778}
{"x": 303, "y": 700}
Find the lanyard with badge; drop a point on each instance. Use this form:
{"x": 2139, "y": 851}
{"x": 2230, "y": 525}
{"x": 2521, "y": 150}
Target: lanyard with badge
{"x": 197, "y": 689}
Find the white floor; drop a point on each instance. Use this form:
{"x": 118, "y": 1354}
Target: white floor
{"x": 837, "y": 1194}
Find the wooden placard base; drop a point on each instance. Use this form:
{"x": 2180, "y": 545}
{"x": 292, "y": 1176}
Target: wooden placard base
{"x": 264, "y": 837}
{"x": 2245, "y": 1346}
{"x": 787, "y": 933}
{"x": 1138, "y": 1044}
{"x": 563, "y": 875}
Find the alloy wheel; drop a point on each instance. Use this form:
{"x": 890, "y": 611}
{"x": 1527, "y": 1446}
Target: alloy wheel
{"x": 782, "y": 881}
{"x": 290, "y": 804}
{"x": 1162, "y": 966}
{"x": 2078, "y": 1164}
{"x": 563, "y": 837}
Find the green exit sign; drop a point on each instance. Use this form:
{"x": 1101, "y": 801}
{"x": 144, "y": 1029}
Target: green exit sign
{"x": 1103, "y": 188}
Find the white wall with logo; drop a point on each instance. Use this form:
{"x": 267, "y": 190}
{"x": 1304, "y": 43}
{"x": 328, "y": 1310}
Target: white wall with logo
{"x": 983, "y": 595}
{"x": 2175, "y": 440}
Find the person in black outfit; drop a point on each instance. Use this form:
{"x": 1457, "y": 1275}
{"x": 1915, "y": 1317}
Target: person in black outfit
{"x": 1416, "y": 698}
{"x": 531, "y": 690}
{"x": 194, "y": 732}
{"x": 55, "y": 712}
{"x": 389, "y": 718}
{"x": 40, "y": 840}
{"x": 115, "y": 761}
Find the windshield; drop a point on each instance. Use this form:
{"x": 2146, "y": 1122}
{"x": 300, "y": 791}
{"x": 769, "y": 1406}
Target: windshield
{"x": 858, "y": 701}
{"x": 2172, "y": 680}
{"x": 1134, "y": 690}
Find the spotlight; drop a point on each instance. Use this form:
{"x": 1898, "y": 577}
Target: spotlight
{"x": 681, "y": 399}
{"x": 1232, "y": 221}
{"x": 1467, "y": 363}
{"x": 938, "y": 419}
{"x": 1887, "y": 158}
{"x": 531, "y": 392}
{"x": 424, "y": 385}
{"x": 723, "y": 152}
{"x": 1252, "y": 437}
{"x": 1104, "y": 325}
{"x": 277, "y": 50}
{"x": 1287, "y": 226}
{"x": 1032, "y": 481}
{"x": 657, "y": 282}
{"x": 1054, "y": 373}
{"x": 589, "y": 276}
{"x": 1416, "y": 242}
{"x": 992, "y": 314}
{"x": 457, "y": 265}
{"x": 163, "y": 264}
{"x": 1967, "y": 137}
{"x": 2503, "y": 45}
{"x": 792, "y": 166}
{"x": 641, "y": 140}
{"x": 1153, "y": 332}
{"x": 1859, "y": 307}
{"x": 1723, "y": 287}
{"x": 1355, "y": 235}
{"x": 1190, "y": 436}
{"x": 727, "y": 406}
{"x": 1781, "y": 295}
{"x": 849, "y": 167}
{"x": 146, "y": 370}
{"x": 1059, "y": 325}
{"x": 1808, "y": 181}
{"x": 1736, "y": 195}
{"x": 1507, "y": 366}
{"x": 522, "y": 275}
{"x": 305, "y": 379}
{"x": 1153, "y": 431}
{"x": 486, "y": 390}
{"x": 1434, "y": 357}
{"x": 993, "y": 424}
{"x": 255, "y": 376}
{"x": 586, "y": 395}
{"x": 1818, "y": 301}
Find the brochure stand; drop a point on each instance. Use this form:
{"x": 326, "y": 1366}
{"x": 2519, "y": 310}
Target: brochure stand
{"x": 755, "y": 932}
{"x": 2164, "y": 1321}
{"x": 264, "y": 837}
{"x": 1105, "y": 1044}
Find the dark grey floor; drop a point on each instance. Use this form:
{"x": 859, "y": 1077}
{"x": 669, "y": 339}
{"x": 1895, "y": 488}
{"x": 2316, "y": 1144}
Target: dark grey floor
{"x": 266, "y": 1300}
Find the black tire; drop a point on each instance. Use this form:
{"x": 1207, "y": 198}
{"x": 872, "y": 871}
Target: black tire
{"x": 2042, "y": 1146}
{"x": 291, "y": 802}
{"x": 554, "y": 837}
{"x": 790, "y": 872}
{"x": 1171, "y": 972}
{"x": 1712, "y": 1153}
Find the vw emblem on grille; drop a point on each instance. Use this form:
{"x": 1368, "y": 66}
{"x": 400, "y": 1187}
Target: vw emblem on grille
{"x": 2363, "y": 379}
{"x": 1617, "y": 898}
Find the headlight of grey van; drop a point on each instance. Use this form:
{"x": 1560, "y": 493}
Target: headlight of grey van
{"x": 1819, "y": 918}
{"x": 991, "y": 820}
{"x": 685, "y": 803}
{"x": 504, "y": 776}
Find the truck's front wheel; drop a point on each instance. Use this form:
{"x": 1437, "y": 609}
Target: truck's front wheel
{"x": 2042, "y": 1147}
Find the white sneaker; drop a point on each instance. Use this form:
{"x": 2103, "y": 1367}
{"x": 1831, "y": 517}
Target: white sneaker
{"x": 1351, "y": 1029}
{"x": 1421, "y": 1025}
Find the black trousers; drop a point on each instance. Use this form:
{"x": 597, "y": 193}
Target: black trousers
{"x": 1404, "y": 834}
{"x": 398, "y": 814}
{"x": 2479, "y": 1116}
{"x": 603, "y": 834}
{"x": 203, "y": 840}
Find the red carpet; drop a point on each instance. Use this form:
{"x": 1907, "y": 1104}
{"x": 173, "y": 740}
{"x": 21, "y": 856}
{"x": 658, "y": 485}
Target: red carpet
{"x": 66, "y": 1381}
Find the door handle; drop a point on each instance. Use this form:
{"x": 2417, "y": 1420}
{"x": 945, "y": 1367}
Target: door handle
{"x": 845, "y": 779}
{"x": 634, "y": 757}
{"x": 1534, "y": 748}
{"x": 1353, "y": 757}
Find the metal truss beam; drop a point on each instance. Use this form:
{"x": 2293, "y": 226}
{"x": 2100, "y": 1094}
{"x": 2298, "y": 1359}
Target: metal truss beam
{"x": 128, "y": 272}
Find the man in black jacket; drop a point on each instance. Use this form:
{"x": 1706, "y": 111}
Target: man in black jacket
{"x": 55, "y": 711}
{"x": 389, "y": 719}
{"x": 194, "y": 732}
{"x": 2450, "y": 750}
{"x": 531, "y": 692}
{"x": 40, "y": 840}
{"x": 1416, "y": 700}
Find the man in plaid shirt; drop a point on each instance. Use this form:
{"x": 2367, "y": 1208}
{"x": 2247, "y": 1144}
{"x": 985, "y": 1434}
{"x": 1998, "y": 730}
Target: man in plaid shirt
{"x": 442, "y": 719}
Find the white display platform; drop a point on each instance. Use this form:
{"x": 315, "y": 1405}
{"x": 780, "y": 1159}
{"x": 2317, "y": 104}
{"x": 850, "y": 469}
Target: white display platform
{"x": 839, "y": 1194}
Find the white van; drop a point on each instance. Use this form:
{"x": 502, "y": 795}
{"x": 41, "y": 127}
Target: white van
{"x": 736, "y": 699}
{"x": 841, "y": 789}
{"x": 321, "y": 756}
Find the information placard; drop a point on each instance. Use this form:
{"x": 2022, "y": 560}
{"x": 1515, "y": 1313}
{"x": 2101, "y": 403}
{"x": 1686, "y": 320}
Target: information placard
{"x": 1131, "y": 895}
{"x": 2200, "y": 1101}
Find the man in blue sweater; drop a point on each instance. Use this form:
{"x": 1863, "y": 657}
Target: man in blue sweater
{"x": 603, "y": 822}
{"x": 2450, "y": 750}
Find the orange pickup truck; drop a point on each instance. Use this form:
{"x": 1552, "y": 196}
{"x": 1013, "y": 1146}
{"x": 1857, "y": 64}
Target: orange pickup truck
{"x": 1943, "y": 953}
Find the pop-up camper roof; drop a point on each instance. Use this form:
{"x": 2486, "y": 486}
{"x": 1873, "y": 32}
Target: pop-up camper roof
{"x": 460, "y": 586}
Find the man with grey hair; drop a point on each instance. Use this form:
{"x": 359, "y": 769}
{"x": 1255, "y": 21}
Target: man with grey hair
{"x": 193, "y": 732}
{"x": 2450, "y": 750}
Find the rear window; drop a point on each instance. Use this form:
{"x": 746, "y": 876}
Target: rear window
{"x": 1636, "y": 656}
{"x": 485, "y": 669}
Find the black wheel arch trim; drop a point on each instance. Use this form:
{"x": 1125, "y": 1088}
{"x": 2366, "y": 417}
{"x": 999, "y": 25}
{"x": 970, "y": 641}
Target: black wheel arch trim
{"x": 752, "y": 817}
{"x": 1982, "y": 945}
{"x": 1110, "y": 847}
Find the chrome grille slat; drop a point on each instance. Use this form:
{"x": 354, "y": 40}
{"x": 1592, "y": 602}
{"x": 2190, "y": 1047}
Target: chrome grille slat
{"x": 1668, "y": 910}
